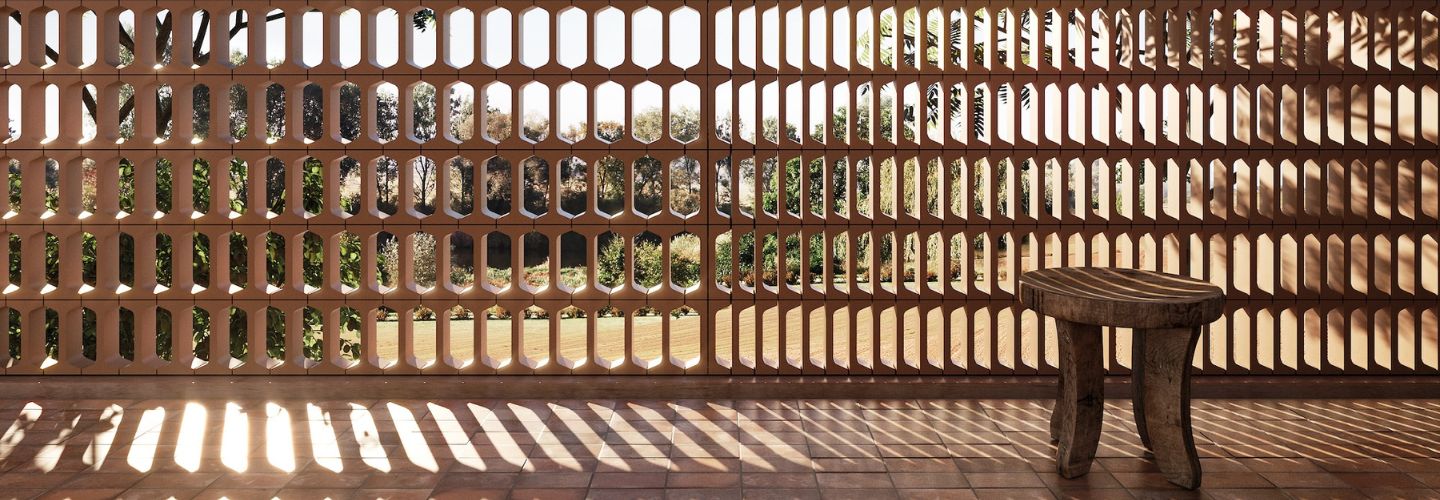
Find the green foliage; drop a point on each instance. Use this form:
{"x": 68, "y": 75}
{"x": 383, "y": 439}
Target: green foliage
{"x": 610, "y": 185}
{"x": 610, "y": 265}
{"x": 649, "y": 261}
{"x": 649, "y": 185}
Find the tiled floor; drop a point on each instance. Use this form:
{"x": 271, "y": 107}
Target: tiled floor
{"x": 951, "y": 449}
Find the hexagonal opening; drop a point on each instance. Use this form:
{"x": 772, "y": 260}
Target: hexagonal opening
{"x": 649, "y": 261}
{"x": 496, "y": 30}
{"x": 646, "y": 44}
{"x": 462, "y": 261}
{"x": 684, "y": 124}
{"x": 574, "y": 262}
{"x": 609, "y": 337}
{"x": 497, "y": 186}
{"x": 535, "y": 116}
{"x": 460, "y": 110}
{"x": 535, "y": 173}
{"x": 500, "y": 330}
{"x": 535, "y": 332}
{"x": 574, "y": 186}
{"x": 495, "y": 113}
{"x": 685, "y": 258}
{"x": 609, "y": 37}
{"x": 609, "y": 112}
{"x": 610, "y": 186}
{"x": 610, "y": 262}
{"x": 649, "y": 188}
{"x": 536, "y": 248}
{"x": 573, "y": 325}
{"x": 534, "y": 37}
{"x": 572, "y": 30}
{"x": 498, "y": 260}
{"x": 647, "y": 120}
{"x": 684, "y": 37}
{"x": 685, "y": 187}
{"x": 572, "y": 123}
{"x": 684, "y": 337}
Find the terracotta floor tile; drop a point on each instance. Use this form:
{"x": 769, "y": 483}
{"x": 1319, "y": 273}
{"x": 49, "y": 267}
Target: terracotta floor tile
{"x": 553, "y": 480}
{"x": 240, "y": 494}
{"x": 1013, "y": 494}
{"x": 118, "y": 480}
{"x": 840, "y": 465}
{"x": 1304, "y": 479}
{"x": 1363, "y": 480}
{"x": 980, "y": 480}
{"x": 625, "y": 494}
{"x": 1094, "y": 480}
{"x": 467, "y": 494}
{"x": 1401, "y": 493}
{"x": 1325, "y": 494}
{"x": 548, "y": 494}
{"x": 703, "y": 494}
{"x": 921, "y": 465}
{"x": 401, "y": 481}
{"x": 846, "y": 480}
{"x": 936, "y": 494}
{"x": 929, "y": 480}
{"x": 1089, "y": 494}
{"x": 859, "y": 494}
{"x": 703, "y": 480}
{"x": 704, "y": 464}
{"x": 1234, "y": 480}
{"x": 1280, "y": 465}
{"x": 780, "y": 494}
{"x": 1429, "y": 479}
{"x": 82, "y": 494}
{"x": 991, "y": 464}
{"x": 182, "y": 494}
{"x": 628, "y": 480}
{"x": 327, "y": 480}
{"x": 1166, "y": 494}
{"x": 35, "y": 480}
{"x": 392, "y": 494}
{"x": 176, "y": 480}
{"x": 1143, "y": 480}
{"x": 476, "y": 480}
{"x": 788, "y": 480}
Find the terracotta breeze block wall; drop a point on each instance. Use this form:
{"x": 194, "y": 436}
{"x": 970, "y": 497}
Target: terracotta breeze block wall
{"x": 1286, "y": 152}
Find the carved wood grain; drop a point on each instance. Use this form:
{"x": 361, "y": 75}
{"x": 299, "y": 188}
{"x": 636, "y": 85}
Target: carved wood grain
{"x": 1162, "y": 397}
{"x": 1081, "y": 406}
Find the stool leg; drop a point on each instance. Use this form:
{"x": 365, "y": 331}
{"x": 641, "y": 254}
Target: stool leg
{"x": 1137, "y": 381}
{"x": 1081, "y": 405}
{"x": 1055, "y": 416}
{"x": 1163, "y": 397}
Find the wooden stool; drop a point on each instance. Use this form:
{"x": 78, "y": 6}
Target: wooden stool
{"x": 1166, "y": 312}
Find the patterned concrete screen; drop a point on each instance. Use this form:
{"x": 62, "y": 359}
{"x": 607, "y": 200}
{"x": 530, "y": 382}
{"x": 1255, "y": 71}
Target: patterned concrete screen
{"x": 704, "y": 187}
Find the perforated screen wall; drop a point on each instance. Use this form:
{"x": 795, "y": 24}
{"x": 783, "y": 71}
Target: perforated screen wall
{"x": 669, "y": 187}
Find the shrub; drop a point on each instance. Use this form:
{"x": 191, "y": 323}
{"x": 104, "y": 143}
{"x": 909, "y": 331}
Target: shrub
{"x": 649, "y": 263}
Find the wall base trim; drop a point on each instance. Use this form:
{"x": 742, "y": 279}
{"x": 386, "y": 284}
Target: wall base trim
{"x": 679, "y": 387}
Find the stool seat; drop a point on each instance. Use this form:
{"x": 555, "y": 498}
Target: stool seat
{"x": 1125, "y": 298}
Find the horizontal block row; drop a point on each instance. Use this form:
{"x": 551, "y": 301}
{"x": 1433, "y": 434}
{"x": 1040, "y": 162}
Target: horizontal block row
{"x": 1078, "y": 111}
{"x": 653, "y": 263}
{"x": 739, "y": 337}
{"x": 843, "y": 36}
{"x": 659, "y": 189}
